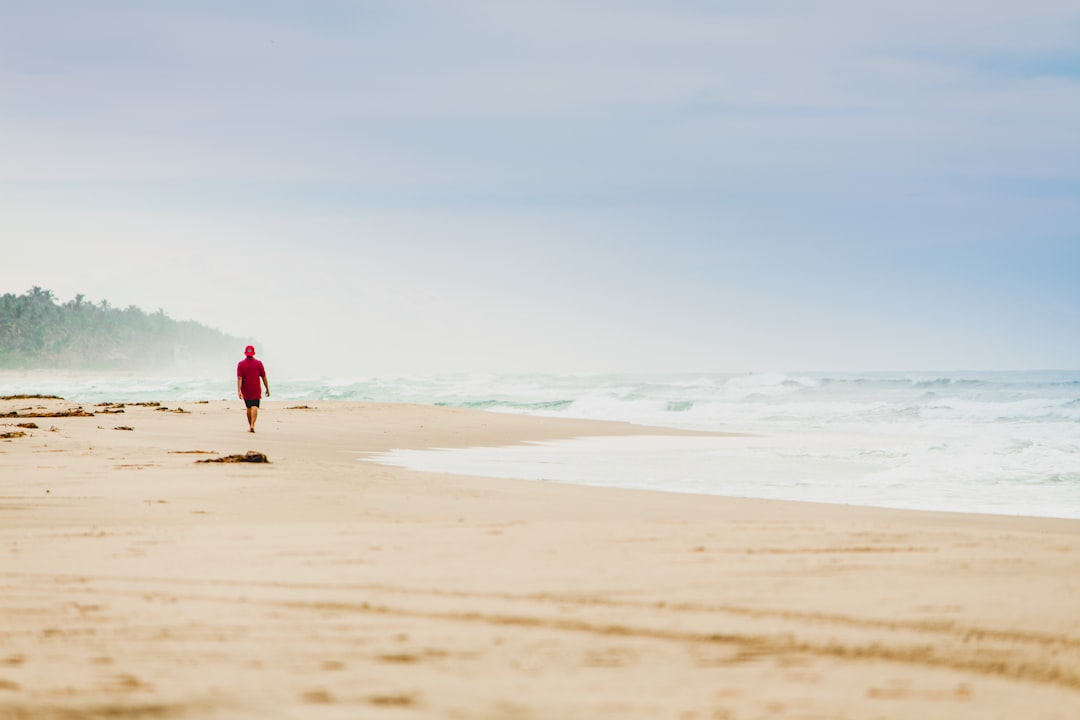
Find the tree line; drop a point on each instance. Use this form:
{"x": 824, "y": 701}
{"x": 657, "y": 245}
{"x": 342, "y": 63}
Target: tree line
{"x": 37, "y": 331}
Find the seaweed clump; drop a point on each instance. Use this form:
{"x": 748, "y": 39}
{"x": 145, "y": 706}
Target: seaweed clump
{"x": 249, "y": 457}
{"x": 76, "y": 412}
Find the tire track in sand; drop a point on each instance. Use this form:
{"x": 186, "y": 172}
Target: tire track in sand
{"x": 1006, "y": 653}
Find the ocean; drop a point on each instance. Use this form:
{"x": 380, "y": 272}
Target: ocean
{"x": 985, "y": 442}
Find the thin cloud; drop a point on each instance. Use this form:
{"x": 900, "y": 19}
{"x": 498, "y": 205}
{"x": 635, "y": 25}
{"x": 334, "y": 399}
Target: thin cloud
{"x": 559, "y": 182}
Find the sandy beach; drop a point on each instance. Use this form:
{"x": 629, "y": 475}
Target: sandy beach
{"x": 137, "y": 582}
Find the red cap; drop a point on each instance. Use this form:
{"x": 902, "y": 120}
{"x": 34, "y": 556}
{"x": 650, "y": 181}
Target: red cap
{"x": 249, "y": 350}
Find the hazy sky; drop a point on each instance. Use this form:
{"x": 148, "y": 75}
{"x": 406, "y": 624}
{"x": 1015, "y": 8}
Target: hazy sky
{"x": 403, "y": 186}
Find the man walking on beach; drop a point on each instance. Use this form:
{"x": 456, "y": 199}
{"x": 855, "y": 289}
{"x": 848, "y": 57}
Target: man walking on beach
{"x": 249, "y": 372}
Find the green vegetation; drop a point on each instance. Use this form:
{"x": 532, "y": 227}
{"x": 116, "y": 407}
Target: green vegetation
{"x": 38, "y": 332}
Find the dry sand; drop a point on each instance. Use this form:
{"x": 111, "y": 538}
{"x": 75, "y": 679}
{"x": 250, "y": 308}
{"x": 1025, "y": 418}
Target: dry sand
{"x": 138, "y": 583}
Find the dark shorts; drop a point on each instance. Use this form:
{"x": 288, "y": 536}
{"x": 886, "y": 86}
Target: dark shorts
{"x": 251, "y": 403}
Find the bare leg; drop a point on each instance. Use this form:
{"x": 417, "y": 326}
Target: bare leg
{"x": 252, "y": 416}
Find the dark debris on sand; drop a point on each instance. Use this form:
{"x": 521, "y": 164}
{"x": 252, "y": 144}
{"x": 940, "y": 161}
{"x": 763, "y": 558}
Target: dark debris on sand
{"x": 31, "y": 397}
{"x": 76, "y": 412}
{"x": 249, "y": 457}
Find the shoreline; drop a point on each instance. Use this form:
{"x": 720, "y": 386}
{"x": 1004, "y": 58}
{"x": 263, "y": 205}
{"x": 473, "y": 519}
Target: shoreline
{"x": 955, "y": 465}
{"x": 638, "y": 460}
{"x": 137, "y": 582}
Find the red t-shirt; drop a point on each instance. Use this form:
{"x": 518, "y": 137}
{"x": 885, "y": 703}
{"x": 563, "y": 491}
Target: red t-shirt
{"x": 250, "y": 370}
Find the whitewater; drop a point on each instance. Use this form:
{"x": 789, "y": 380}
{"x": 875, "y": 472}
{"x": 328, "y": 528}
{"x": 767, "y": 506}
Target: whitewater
{"x": 986, "y": 442}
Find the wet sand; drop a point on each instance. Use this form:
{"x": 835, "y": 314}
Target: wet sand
{"x": 136, "y": 582}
